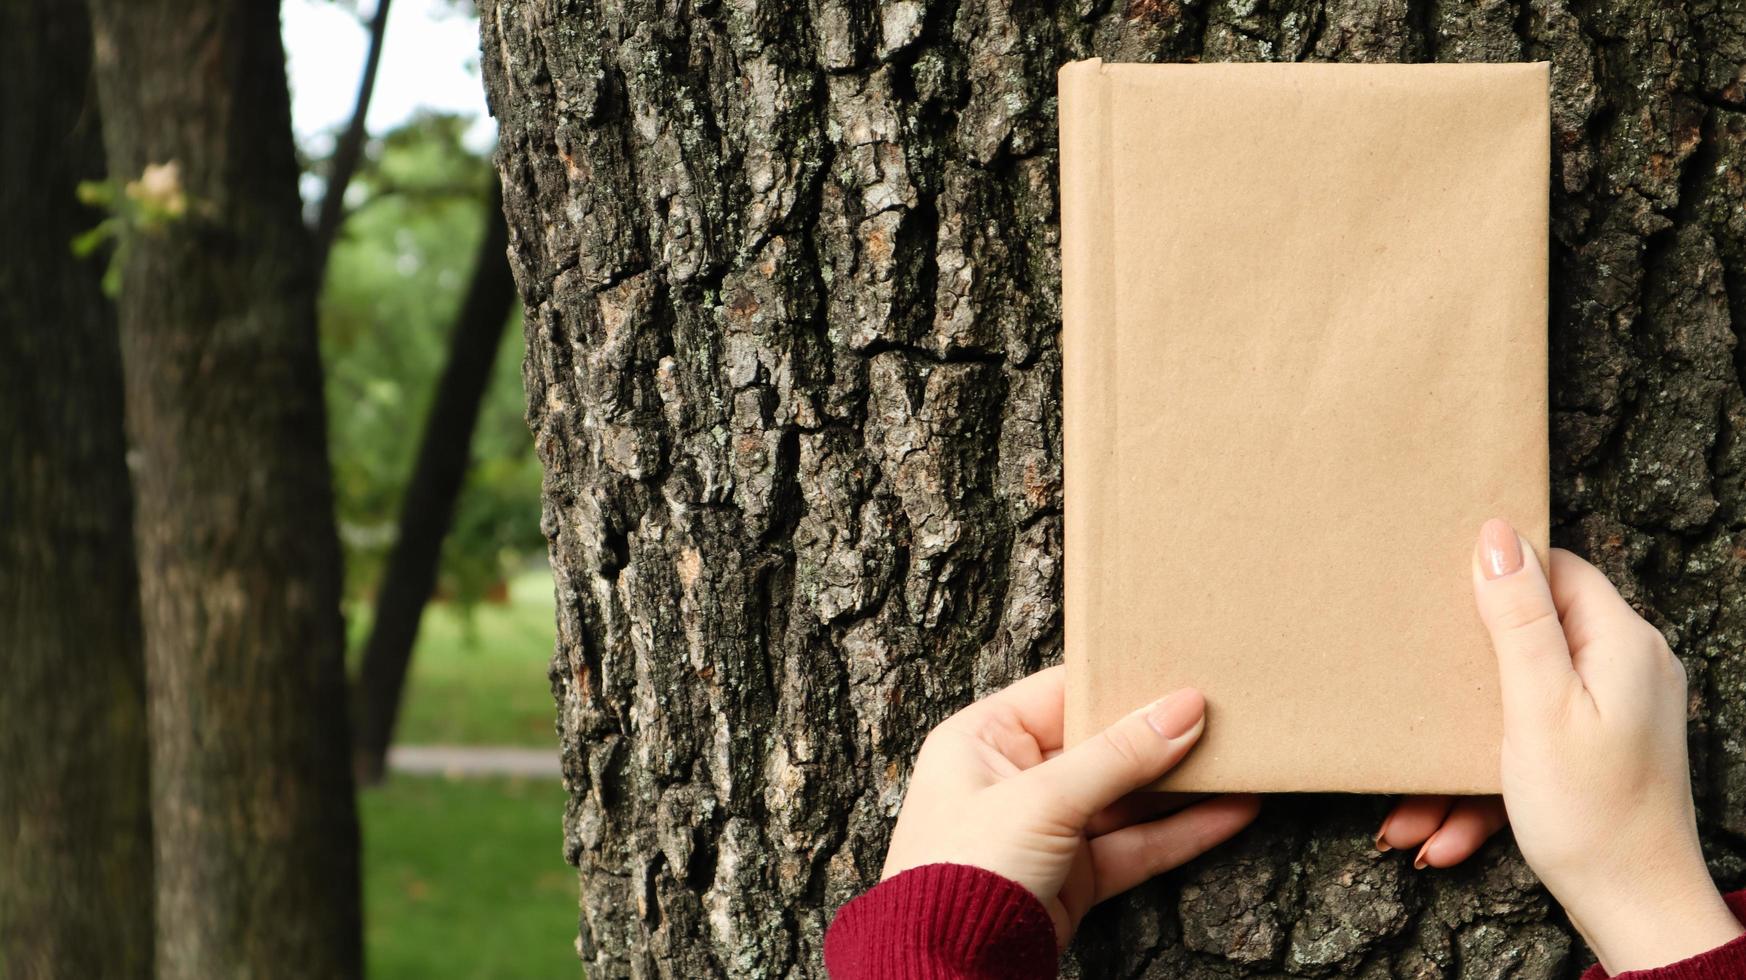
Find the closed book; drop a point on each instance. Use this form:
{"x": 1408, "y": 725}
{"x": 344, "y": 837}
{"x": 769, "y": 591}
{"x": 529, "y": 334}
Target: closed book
{"x": 1304, "y": 359}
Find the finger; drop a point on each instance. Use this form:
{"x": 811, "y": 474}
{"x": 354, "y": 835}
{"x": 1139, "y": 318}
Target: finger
{"x": 1515, "y": 603}
{"x": 1030, "y": 708}
{"x": 1592, "y": 610}
{"x": 1467, "y": 827}
{"x": 1584, "y": 594}
{"x": 1135, "y": 854}
{"x": 1137, "y": 808}
{"x": 1118, "y": 760}
{"x": 1412, "y": 821}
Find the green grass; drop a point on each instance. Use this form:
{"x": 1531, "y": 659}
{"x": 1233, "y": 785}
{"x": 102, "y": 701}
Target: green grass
{"x": 465, "y": 879}
{"x": 480, "y": 681}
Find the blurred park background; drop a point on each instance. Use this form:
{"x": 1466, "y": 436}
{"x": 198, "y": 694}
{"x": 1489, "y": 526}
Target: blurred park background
{"x": 463, "y": 873}
{"x": 435, "y": 492}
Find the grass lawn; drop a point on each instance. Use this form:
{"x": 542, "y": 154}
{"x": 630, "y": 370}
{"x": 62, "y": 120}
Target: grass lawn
{"x": 483, "y": 681}
{"x": 465, "y": 879}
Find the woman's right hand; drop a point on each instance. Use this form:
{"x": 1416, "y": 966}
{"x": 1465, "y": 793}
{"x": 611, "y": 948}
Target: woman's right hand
{"x": 1595, "y": 777}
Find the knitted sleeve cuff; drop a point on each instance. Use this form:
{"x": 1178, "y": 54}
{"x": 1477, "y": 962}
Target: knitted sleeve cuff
{"x": 1725, "y": 962}
{"x": 942, "y": 921}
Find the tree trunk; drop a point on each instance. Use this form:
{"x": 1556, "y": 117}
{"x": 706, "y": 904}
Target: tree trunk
{"x": 75, "y": 828}
{"x": 790, "y": 278}
{"x": 444, "y": 451}
{"x": 256, "y": 837}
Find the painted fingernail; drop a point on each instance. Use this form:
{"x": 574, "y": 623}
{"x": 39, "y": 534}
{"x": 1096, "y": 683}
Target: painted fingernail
{"x": 1175, "y": 715}
{"x": 1500, "y": 550}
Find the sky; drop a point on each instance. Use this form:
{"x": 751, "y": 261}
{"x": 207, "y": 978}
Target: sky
{"x": 430, "y": 61}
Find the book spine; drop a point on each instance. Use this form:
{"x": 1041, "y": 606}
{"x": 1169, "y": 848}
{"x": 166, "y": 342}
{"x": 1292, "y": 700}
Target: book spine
{"x": 1539, "y": 530}
{"x": 1088, "y": 398}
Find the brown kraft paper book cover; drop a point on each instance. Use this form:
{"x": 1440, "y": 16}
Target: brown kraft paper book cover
{"x": 1304, "y": 358}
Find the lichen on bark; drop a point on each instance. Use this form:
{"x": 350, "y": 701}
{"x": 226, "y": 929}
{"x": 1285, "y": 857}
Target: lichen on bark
{"x": 791, "y": 274}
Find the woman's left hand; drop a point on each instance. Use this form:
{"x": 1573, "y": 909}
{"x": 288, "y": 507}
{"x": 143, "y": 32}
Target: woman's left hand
{"x": 992, "y": 788}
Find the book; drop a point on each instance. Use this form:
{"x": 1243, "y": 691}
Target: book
{"x": 1304, "y": 359}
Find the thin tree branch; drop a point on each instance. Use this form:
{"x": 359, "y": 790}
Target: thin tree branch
{"x": 349, "y": 151}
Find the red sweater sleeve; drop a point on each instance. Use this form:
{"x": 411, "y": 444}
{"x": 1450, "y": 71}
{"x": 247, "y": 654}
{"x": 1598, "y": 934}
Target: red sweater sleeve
{"x": 956, "y": 922}
{"x": 1725, "y": 962}
{"x": 943, "y": 922}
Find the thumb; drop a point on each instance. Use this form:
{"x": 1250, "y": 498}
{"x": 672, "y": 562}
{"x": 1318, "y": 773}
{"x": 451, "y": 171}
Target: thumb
{"x": 1122, "y": 758}
{"x": 1515, "y": 603}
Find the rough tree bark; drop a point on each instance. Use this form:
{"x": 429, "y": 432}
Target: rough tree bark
{"x": 444, "y": 451}
{"x": 256, "y": 837}
{"x": 791, "y": 277}
{"x": 75, "y": 828}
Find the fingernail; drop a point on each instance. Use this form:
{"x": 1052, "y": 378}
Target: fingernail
{"x": 1175, "y": 715}
{"x": 1382, "y": 833}
{"x": 1419, "y": 863}
{"x": 1500, "y": 550}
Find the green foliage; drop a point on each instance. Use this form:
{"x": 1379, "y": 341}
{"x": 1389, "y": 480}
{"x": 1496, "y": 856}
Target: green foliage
{"x": 395, "y": 281}
{"x": 466, "y": 880}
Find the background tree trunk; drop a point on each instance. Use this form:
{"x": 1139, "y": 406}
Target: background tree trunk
{"x": 444, "y": 451}
{"x": 256, "y": 837}
{"x": 790, "y": 276}
{"x": 75, "y": 828}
